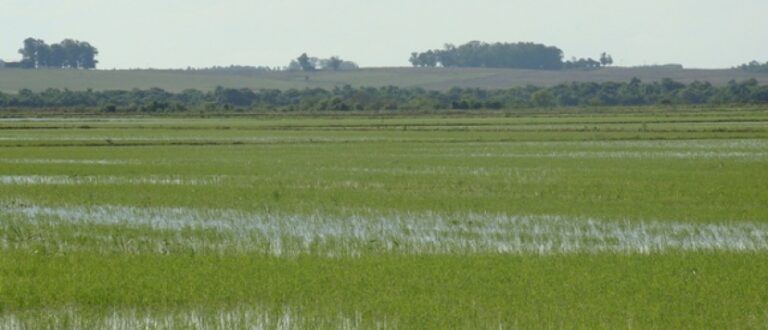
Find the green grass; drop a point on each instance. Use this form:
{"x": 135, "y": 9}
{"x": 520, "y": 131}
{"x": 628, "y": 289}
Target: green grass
{"x": 12, "y": 80}
{"x": 602, "y": 220}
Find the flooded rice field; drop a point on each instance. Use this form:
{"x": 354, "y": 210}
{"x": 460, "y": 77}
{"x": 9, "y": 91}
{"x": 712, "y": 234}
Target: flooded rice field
{"x": 354, "y": 235}
{"x": 603, "y": 220}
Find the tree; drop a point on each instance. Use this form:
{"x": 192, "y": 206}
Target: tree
{"x": 755, "y": 66}
{"x": 605, "y": 59}
{"x": 43, "y": 55}
{"x": 57, "y": 56}
{"x": 428, "y": 59}
{"x": 334, "y": 63}
{"x": 30, "y": 53}
{"x": 414, "y": 59}
{"x": 306, "y": 63}
{"x": 71, "y": 53}
{"x": 86, "y": 55}
{"x": 293, "y": 66}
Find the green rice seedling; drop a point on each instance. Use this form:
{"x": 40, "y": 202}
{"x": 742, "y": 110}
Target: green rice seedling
{"x": 600, "y": 220}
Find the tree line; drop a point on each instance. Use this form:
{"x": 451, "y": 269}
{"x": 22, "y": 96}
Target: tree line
{"x": 347, "y": 98}
{"x": 69, "y": 53}
{"x": 308, "y": 64}
{"x": 755, "y": 67}
{"x": 521, "y": 55}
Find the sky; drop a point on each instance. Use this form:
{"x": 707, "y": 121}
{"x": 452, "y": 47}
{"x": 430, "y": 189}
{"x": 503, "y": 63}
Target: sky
{"x": 377, "y": 33}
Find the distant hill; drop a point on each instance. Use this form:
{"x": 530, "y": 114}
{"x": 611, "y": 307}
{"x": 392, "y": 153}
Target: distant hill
{"x": 11, "y": 80}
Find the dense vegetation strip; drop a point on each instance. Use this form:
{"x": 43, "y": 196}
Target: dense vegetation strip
{"x": 347, "y": 98}
{"x": 755, "y": 66}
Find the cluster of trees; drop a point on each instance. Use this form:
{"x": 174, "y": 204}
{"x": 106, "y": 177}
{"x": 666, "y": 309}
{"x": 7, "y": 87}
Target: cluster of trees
{"x": 67, "y": 54}
{"x": 521, "y": 55}
{"x": 635, "y": 93}
{"x": 309, "y": 64}
{"x": 498, "y": 55}
{"x": 589, "y": 63}
{"x": 755, "y": 66}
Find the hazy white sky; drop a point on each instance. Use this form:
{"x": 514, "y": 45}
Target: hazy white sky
{"x": 197, "y": 33}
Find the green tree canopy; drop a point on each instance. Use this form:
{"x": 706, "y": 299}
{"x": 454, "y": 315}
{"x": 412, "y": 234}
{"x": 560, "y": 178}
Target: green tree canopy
{"x": 306, "y": 63}
{"x": 67, "y": 54}
{"x": 521, "y": 55}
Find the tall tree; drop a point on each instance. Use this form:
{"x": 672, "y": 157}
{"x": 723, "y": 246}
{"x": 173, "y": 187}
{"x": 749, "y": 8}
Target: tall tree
{"x": 605, "y": 59}
{"x": 30, "y": 54}
{"x": 334, "y": 63}
{"x": 414, "y": 59}
{"x": 87, "y": 55}
{"x": 57, "y": 56}
{"x": 306, "y": 63}
{"x": 71, "y": 53}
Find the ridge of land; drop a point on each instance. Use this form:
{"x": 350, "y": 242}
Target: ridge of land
{"x": 12, "y": 80}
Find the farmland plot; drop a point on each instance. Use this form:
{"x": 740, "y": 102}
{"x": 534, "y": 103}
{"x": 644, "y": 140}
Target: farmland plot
{"x": 609, "y": 220}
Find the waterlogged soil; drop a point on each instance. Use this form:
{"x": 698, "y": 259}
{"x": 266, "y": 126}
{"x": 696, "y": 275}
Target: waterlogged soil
{"x": 600, "y": 220}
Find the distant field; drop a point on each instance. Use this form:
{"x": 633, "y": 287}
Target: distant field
{"x": 11, "y": 80}
{"x": 616, "y": 220}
